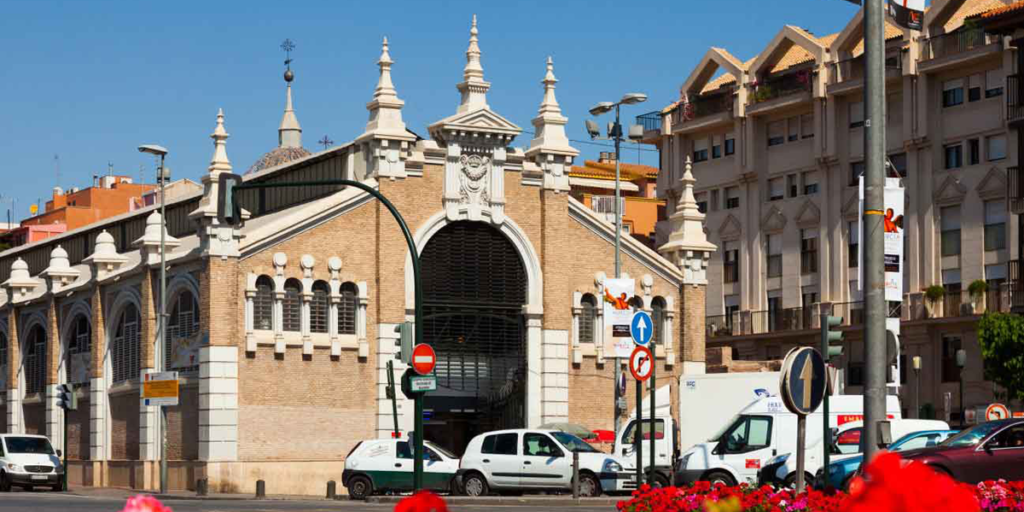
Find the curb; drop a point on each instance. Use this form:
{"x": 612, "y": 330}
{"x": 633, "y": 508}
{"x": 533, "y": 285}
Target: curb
{"x": 509, "y": 501}
{"x": 186, "y": 497}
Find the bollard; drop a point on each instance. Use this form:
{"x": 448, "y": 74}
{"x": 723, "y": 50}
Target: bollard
{"x": 261, "y": 489}
{"x": 332, "y": 487}
{"x": 575, "y": 475}
{"x": 202, "y": 487}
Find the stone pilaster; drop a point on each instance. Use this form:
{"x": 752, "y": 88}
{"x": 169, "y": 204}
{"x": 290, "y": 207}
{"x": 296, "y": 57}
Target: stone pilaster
{"x": 54, "y": 414}
{"x": 218, "y": 362}
{"x": 98, "y": 392}
{"x": 555, "y": 376}
{"x": 149, "y": 417}
{"x": 388, "y": 349}
{"x": 14, "y": 424}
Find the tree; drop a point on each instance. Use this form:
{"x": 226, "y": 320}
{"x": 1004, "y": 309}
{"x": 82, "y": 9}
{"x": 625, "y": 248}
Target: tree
{"x": 1001, "y": 337}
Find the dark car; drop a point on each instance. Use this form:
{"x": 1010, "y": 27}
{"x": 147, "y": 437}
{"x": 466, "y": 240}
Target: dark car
{"x": 988, "y": 451}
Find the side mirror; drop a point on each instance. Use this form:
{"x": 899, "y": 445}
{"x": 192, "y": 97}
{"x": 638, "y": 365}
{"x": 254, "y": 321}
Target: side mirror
{"x": 59, "y": 453}
{"x": 987, "y": 447}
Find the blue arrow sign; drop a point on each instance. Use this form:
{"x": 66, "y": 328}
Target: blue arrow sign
{"x": 641, "y": 328}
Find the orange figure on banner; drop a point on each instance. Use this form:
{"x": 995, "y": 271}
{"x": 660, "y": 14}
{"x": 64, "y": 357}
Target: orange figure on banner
{"x": 892, "y": 225}
{"x": 618, "y": 303}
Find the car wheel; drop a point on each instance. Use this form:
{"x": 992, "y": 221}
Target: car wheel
{"x": 359, "y": 487}
{"x": 790, "y": 481}
{"x": 475, "y": 485}
{"x": 590, "y": 487}
{"x": 720, "y": 477}
{"x": 658, "y": 481}
{"x": 5, "y": 486}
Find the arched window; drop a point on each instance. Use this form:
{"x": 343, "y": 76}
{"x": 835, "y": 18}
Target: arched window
{"x": 588, "y": 315}
{"x": 263, "y": 304}
{"x": 182, "y": 329}
{"x": 658, "y": 317}
{"x": 79, "y": 351}
{"x": 292, "y": 318}
{"x": 124, "y": 351}
{"x": 636, "y": 303}
{"x": 319, "y": 308}
{"x": 347, "y": 309}
{"x": 35, "y": 360}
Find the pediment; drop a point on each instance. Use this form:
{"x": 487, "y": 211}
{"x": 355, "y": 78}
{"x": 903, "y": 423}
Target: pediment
{"x": 785, "y": 39}
{"x": 809, "y": 215}
{"x": 993, "y": 185}
{"x": 950, "y": 191}
{"x": 480, "y": 120}
{"x": 773, "y": 221}
{"x": 714, "y": 59}
{"x": 730, "y": 228}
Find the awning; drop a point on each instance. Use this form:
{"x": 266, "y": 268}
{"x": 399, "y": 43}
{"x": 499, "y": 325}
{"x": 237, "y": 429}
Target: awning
{"x": 627, "y": 186}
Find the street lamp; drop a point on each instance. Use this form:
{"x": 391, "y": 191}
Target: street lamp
{"x": 915, "y": 363}
{"x": 961, "y": 361}
{"x": 162, "y": 175}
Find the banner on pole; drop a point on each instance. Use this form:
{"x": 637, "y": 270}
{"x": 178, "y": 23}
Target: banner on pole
{"x": 907, "y": 13}
{"x": 892, "y": 224}
{"x": 617, "y": 316}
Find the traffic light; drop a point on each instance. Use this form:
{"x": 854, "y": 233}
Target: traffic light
{"x": 828, "y": 350}
{"x": 405, "y": 334}
{"x": 228, "y": 210}
{"x": 66, "y": 398}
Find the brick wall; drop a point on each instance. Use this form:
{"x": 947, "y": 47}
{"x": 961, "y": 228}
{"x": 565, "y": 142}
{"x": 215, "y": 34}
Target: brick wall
{"x": 35, "y": 419}
{"x": 77, "y": 446}
{"x": 124, "y": 426}
{"x": 221, "y": 291}
{"x": 692, "y": 324}
{"x": 183, "y": 425}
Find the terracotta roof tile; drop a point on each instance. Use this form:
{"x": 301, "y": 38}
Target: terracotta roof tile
{"x": 606, "y": 170}
{"x": 1006, "y": 9}
{"x": 971, "y": 8}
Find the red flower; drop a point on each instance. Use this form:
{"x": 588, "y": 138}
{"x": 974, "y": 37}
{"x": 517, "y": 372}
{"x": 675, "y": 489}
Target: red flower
{"x": 144, "y": 503}
{"x": 423, "y": 501}
{"x": 912, "y": 488}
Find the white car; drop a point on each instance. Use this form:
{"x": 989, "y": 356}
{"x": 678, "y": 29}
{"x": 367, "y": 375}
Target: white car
{"x": 536, "y": 459}
{"x": 381, "y": 465}
{"x": 27, "y": 462}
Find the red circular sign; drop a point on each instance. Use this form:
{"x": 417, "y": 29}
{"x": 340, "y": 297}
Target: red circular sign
{"x": 996, "y": 412}
{"x": 641, "y": 362}
{"x": 423, "y": 359}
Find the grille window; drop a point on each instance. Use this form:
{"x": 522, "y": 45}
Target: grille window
{"x": 35, "y": 360}
{"x": 347, "y": 309}
{"x": 125, "y": 349}
{"x": 588, "y": 315}
{"x": 3, "y": 350}
{"x": 263, "y": 304}
{"x": 292, "y": 305}
{"x": 79, "y": 348}
{"x": 319, "y": 307}
{"x": 182, "y": 327}
{"x": 658, "y": 318}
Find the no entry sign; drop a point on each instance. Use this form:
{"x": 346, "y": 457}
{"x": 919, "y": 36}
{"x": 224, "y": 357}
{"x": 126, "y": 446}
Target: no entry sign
{"x": 423, "y": 359}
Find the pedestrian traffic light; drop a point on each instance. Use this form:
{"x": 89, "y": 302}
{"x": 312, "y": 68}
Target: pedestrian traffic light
{"x": 66, "y": 398}
{"x": 228, "y": 210}
{"x": 828, "y": 350}
{"x": 405, "y": 335}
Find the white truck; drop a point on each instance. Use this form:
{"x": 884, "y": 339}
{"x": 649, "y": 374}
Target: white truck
{"x": 705, "y": 402}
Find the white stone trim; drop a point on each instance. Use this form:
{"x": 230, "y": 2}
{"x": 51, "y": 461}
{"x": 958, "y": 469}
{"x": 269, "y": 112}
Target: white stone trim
{"x": 218, "y": 403}
{"x": 555, "y": 376}
{"x": 534, "y": 368}
{"x": 54, "y": 417}
{"x": 99, "y": 436}
{"x": 388, "y": 347}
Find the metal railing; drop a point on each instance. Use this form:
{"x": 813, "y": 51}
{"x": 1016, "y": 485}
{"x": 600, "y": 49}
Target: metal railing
{"x": 1016, "y": 285}
{"x": 953, "y": 43}
{"x": 853, "y": 68}
{"x": 650, "y": 120}
{"x": 1015, "y": 189}
{"x": 852, "y": 312}
{"x": 962, "y": 303}
{"x": 785, "y": 85}
{"x": 767, "y": 321}
{"x": 1014, "y": 98}
{"x": 702, "y": 106}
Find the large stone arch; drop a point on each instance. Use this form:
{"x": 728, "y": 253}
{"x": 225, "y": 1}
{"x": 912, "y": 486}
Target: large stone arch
{"x": 121, "y": 410}
{"x": 28, "y": 322}
{"x": 79, "y": 307}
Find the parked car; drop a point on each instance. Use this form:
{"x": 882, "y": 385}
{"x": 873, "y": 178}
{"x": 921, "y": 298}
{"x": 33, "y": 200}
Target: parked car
{"x": 988, "y": 451}
{"x": 382, "y": 465}
{"x": 535, "y": 459}
{"x": 28, "y": 462}
{"x": 841, "y": 472}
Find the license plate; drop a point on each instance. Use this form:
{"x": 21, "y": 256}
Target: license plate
{"x": 38, "y": 477}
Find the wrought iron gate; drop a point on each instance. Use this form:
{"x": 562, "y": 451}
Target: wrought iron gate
{"x": 474, "y": 291}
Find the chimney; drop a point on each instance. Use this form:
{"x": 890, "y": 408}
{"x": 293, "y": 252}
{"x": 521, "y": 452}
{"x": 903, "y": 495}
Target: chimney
{"x": 606, "y": 157}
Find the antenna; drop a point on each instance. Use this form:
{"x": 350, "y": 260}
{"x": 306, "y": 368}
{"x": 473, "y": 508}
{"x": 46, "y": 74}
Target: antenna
{"x": 110, "y": 169}
{"x": 288, "y": 45}
{"x": 56, "y": 167}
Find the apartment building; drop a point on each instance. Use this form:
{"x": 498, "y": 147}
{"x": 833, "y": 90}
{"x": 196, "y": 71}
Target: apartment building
{"x": 776, "y": 146}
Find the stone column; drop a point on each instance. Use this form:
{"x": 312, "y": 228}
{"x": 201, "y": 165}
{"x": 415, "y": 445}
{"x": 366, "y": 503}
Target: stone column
{"x": 218, "y": 363}
{"x": 149, "y": 417}
{"x": 98, "y": 392}
{"x": 14, "y": 425}
{"x": 555, "y": 376}
{"x": 54, "y": 414}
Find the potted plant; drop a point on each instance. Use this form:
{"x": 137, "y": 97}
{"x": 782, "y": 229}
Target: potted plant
{"x": 977, "y": 289}
{"x": 933, "y": 295}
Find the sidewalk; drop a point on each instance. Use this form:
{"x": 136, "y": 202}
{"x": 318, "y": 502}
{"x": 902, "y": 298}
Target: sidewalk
{"x": 124, "y": 494}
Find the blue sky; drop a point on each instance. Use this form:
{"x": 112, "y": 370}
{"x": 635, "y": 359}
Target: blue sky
{"x": 90, "y": 81}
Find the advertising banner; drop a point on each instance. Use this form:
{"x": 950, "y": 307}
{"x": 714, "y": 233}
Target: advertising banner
{"x": 907, "y": 13}
{"x": 892, "y": 223}
{"x": 617, "y": 315}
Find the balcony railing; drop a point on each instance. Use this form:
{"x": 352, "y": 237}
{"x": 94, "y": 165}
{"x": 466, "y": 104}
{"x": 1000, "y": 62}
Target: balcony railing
{"x": 1014, "y": 98}
{"x": 761, "y": 322}
{"x": 702, "y": 106}
{"x": 955, "y": 42}
{"x": 853, "y": 69}
{"x": 961, "y": 303}
{"x": 1015, "y": 189}
{"x": 1016, "y": 286}
{"x": 650, "y": 121}
{"x": 785, "y": 85}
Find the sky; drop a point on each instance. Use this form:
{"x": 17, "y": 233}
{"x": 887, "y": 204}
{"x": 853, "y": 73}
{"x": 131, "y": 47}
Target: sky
{"x": 88, "y": 82}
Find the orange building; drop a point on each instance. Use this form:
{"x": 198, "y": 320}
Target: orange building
{"x": 112, "y": 196}
{"x": 593, "y": 184}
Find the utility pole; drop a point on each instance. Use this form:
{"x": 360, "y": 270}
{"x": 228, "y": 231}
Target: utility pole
{"x": 617, "y": 135}
{"x": 874, "y": 242}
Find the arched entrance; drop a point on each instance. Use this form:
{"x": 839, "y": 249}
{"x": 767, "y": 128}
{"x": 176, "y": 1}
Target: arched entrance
{"x": 475, "y": 286}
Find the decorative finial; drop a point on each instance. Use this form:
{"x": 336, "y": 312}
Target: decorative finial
{"x": 220, "y": 162}
{"x": 473, "y": 87}
{"x": 289, "y": 133}
{"x": 325, "y": 142}
{"x": 550, "y": 104}
{"x": 385, "y": 89}
{"x": 288, "y": 46}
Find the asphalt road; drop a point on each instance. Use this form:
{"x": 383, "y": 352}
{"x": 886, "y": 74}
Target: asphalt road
{"x": 58, "y": 502}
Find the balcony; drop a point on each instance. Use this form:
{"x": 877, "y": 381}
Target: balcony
{"x": 650, "y": 121}
{"x": 1014, "y": 99}
{"x": 702, "y": 106}
{"x": 849, "y": 70}
{"x": 961, "y": 303}
{"x": 1015, "y": 190}
{"x": 955, "y": 43}
{"x": 782, "y": 86}
{"x": 1015, "y": 302}
{"x": 742, "y": 323}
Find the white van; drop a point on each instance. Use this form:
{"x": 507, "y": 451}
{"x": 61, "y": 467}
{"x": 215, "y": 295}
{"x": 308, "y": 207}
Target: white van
{"x": 782, "y": 468}
{"x": 29, "y": 461}
{"x": 759, "y": 432}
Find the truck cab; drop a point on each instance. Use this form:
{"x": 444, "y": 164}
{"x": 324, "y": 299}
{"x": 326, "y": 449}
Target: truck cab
{"x": 666, "y": 444}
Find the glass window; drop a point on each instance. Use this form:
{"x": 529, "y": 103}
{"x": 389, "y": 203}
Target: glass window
{"x": 808, "y": 251}
{"x": 898, "y": 162}
{"x": 700, "y": 150}
{"x": 702, "y": 201}
{"x": 714, "y": 200}
{"x": 973, "y": 435}
{"x": 856, "y": 171}
{"x": 573, "y": 443}
{"x": 292, "y": 306}
{"x": 182, "y": 325}
{"x": 791, "y": 185}
{"x": 994, "y": 83}
{"x": 776, "y": 189}
{"x": 810, "y": 180}
{"x": 922, "y": 441}
{"x": 588, "y": 315}
{"x": 3, "y": 352}
{"x": 125, "y": 349}
{"x": 954, "y": 156}
{"x": 539, "y": 445}
{"x": 263, "y": 304}
{"x": 853, "y": 247}
{"x": 347, "y": 308}
{"x": 404, "y": 451}
{"x": 774, "y": 263}
{"x": 950, "y": 224}
{"x": 848, "y": 441}
{"x": 658, "y": 318}
{"x": 996, "y": 147}
{"x": 856, "y": 112}
{"x": 807, "y": 125}
{"x": 974, "y": 87}
{"x": 973, "y": 151}
{"x": 856, "y": 370}
{"x": 319, "y": 307}
{"x": 749, "y": 433}
{"x": 950, "y": 371}
{"x": 794, "y": 128}
{"x": 78, "y": 353}
{"x": 952, "y": 92}
{"x": 731, "y": 263}
{"x": 1012, "y": 437}
{"x": 732, "y": 198}
{"x": 500, "y": 444}
{"x": 995, "y": 225}
{"x": 28, "y": 445}
{"x": 776, "y": 132}
{"x": 730, "y": 145}
{"x": 716, "y": 146}
{"x": 35, "y": 360}
{"x": 659, "y": 431}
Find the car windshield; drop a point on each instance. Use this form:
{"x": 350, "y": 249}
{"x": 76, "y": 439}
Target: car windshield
{"x": 29, "y": 445}
{"x": 444, "y": 452}
{"x": 573, "y": 443}
{"x": 971, "y": 436}
{"x": 721, "y": 432}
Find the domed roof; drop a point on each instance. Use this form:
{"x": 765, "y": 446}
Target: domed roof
{"x": 278, "y": 156}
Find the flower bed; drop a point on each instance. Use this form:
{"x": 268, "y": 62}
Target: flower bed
{"x": 890, "y": 485}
